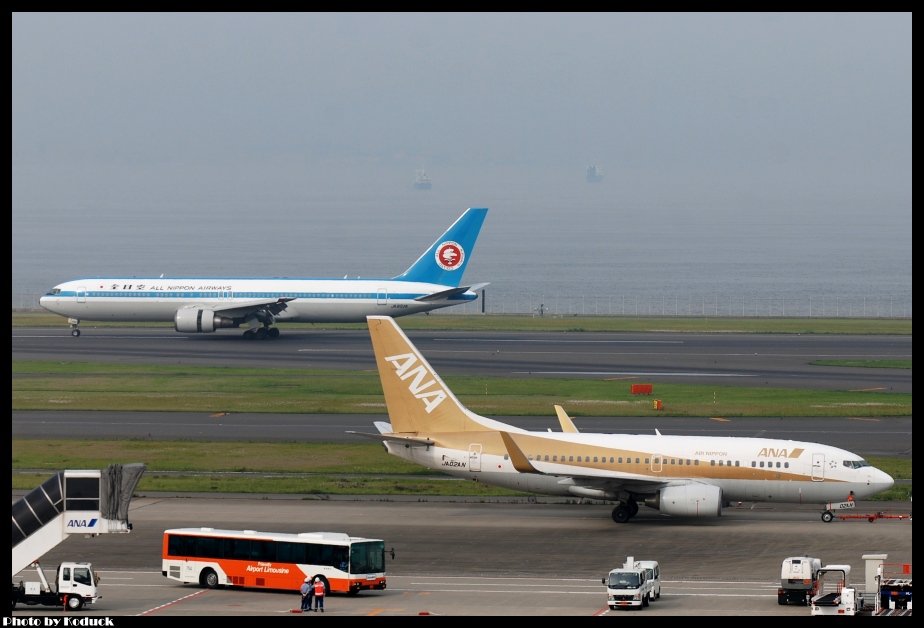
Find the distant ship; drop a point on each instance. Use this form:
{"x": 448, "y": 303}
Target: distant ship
{"x": 422, "y": 181}
{"x": 594, "y": 175}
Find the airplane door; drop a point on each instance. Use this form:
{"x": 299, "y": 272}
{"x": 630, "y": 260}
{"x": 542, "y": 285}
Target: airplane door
{"x": 657, "y": 460}
{"x": 81, "y": 294}
{"x": 818, "y": 467}
{"x": 474, "y": 457}
{"x": 381, "y": 297}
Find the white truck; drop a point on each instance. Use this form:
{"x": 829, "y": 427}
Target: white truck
{"x": 653, "y": 575}
{"x": 628, "y": 586}
{"x": 798, "y": 580}
{"x": 75, "y": 586}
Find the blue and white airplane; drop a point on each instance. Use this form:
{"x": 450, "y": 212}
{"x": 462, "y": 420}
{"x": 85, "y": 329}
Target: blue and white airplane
{"x": 205, "y": 304}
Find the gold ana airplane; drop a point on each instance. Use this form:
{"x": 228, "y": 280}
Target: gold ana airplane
{"x": 678, "y": 475}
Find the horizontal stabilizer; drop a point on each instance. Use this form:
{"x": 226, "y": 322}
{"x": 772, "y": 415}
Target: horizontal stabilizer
{"x": 447, "y": 294}
{"x": 413, "y": 441}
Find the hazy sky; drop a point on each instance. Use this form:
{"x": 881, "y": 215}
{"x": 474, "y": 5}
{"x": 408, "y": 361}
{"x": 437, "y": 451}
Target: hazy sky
{"x": 747, "y": 155}
{"x": 671, "y": 106}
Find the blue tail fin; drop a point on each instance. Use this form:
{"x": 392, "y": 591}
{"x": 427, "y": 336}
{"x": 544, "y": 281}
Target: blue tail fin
{"x": 445, "y": 261}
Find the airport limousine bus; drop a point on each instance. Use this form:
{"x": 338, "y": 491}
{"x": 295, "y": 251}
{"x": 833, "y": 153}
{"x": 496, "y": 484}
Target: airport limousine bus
{"x": 273, "y": 560}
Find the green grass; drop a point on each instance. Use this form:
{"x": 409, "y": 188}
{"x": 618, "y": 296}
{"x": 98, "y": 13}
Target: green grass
{"x": 45, "y": 385}
{"x": 879, "y": 364}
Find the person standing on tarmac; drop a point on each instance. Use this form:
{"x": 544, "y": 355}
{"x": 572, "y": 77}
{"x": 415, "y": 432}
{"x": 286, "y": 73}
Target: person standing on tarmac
{"x": 307, "y": 591}
{"x": 318, "y": 595}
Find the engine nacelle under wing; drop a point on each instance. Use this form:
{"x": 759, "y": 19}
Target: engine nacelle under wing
{"x": 199, "y": 321}
{"x": 688, "y": 500}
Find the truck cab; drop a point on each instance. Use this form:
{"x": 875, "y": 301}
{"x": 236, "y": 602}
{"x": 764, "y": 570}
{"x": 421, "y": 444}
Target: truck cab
{"x": 627, "y": 586}
{"x": 75, "y": 586}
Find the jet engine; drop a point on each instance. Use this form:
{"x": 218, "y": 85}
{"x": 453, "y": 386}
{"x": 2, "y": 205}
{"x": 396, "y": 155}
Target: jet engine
{"x": 688, "y": 500}
{"x": 196, "y": 321}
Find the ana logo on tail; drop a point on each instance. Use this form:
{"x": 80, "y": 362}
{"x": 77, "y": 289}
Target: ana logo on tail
{"x": 405, "y": 369}
{"x": 449, "y": 255}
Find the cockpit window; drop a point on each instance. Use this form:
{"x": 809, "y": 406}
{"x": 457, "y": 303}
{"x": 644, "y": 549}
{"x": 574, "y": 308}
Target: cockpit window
{"x": 855, "y": 464}
{"x": 54, "y": 291}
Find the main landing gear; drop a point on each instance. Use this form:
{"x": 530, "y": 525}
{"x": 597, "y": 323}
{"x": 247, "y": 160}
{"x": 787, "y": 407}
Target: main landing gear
{"x": 625, "y": 511}
{"x": 261, "y": 333}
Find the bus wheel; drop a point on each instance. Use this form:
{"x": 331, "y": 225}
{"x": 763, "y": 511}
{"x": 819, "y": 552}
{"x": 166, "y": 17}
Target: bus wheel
{"x": 208, "y": 578}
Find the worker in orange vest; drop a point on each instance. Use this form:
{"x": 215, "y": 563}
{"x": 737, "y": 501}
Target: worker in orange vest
{"x": 318, "y": 595}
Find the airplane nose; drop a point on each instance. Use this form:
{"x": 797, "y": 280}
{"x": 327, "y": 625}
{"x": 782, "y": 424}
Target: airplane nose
{"x": 881, "y": 481}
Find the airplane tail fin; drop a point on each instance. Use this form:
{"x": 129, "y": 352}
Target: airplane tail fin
{"x": 418, "y": 401}
{"x": 445, "y": 261}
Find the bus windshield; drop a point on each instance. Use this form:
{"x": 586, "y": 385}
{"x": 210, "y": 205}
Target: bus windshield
{"x": 367, "y": 557}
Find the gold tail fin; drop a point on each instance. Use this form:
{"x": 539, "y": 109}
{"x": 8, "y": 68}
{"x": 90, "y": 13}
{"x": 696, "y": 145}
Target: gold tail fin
{"x": 418, "y": 401}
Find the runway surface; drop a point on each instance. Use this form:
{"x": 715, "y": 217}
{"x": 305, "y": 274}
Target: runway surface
{"x": 776, "y": 360}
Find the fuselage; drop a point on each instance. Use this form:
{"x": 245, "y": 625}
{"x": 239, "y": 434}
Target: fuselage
{"x": 314, "y": 300}
{"x": 746, "y": 469}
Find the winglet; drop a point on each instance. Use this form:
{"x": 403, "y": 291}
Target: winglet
{"x": 520, "y": 462}
{"x": 566, "y": 424}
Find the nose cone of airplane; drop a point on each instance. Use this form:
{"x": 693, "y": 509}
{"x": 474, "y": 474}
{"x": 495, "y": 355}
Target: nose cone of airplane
{"x": 880, "y": 481}
{"x": 47, "y": 302}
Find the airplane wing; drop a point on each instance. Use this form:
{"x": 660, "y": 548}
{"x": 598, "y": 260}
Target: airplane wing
{"x": 451, "y": 292}
{"x": 605, "y": 481}
{"x": 238, "y": 310}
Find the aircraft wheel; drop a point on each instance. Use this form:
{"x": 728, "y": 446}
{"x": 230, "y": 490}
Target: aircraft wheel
{"x": 250, "y": 334}
{"x": 272, "y": 332}
{"x": 260, "y": 334}
{"x": 633, "y": 507}
{"x": 620, "y": 514}
{"x": 75, "y": 333}
{"x": 827, "y": 516}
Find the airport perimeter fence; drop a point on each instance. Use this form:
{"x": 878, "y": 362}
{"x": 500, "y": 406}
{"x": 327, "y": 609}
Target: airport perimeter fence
{"x": 819, "y": 306}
